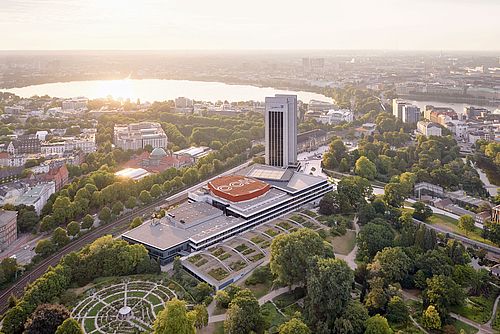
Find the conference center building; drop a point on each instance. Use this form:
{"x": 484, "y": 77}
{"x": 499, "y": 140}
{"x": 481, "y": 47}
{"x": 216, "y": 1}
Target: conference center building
{"x": 227, "y": 206}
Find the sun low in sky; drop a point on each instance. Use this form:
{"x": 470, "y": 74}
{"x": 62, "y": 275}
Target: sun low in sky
{"x": 255, "y": 24}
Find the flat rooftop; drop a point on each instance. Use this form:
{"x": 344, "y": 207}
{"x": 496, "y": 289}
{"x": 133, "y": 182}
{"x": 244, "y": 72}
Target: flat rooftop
{"x": 158, "y": 235}
{"x": 7, "y": 216}
{"x": 191, "y": 214}
{"x": 202, "y": 221}
{"x": 132, "y": 173}
{"x": 254, "y": 205}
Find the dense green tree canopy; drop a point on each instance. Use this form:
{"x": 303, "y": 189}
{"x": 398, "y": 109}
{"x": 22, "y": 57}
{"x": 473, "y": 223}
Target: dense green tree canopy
{"x": 243, "y": 315}
{"x": 69, "y": 326}
{"x": 46, "y": 319}
{"x": 392, "y": 264}
{"x": 377, "y": 325}
{"x": 174, "y": 319}
{"x": 353, "y": 319}
{"x": 290, "y": 254}
{"x": 365, "y": 168}
{"x": 294, "y": 326}
{"x": 329, "y": 283}
{"x": 373, "y": 238}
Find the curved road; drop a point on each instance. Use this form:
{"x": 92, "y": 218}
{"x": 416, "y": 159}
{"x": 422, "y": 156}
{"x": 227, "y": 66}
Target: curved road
{"x": 39, "y": 269}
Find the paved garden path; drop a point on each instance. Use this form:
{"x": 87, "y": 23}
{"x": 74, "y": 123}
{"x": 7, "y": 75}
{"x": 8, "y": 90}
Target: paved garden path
{"x": 262, "y": 300}
{"x": 494, "y": 312}
{"x": 482, "y": 328}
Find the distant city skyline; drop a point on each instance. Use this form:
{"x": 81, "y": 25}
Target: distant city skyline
{"x": 235, "y": 25}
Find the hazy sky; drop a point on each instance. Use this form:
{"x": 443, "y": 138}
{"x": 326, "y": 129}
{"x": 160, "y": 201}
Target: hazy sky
{"x": 250, "y": 24}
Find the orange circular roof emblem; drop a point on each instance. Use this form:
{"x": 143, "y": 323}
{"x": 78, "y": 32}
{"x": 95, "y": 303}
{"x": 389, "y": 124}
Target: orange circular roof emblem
{"x": 237, "y": 188}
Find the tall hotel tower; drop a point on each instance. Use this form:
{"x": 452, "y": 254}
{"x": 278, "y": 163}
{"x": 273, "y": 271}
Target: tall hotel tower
{"x": 281, "y": 130}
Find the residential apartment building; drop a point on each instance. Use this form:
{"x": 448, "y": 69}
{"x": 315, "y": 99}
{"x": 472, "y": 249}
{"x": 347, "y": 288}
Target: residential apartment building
{"x": 139, "y": 135}
{"x": 24, "y": 145}
{"x": 429, "y": 109}
{"x": 8, "y": 228}
{"x": 410, "y": 114}
{"x": 183, "y": 102}
{"x": 495, "y": 214}
{"x": 397, "y": 108}
{"x": 474, "y": 113}
{"x": 13, "y": 110}
{"x": 60, "y": 177}
{"x": 37, "y": 196}
{"x": 429, "y": 129}
{"x": 75, "y": 104}
{"x": 458, "y": 128}
{"x": 85, "y": 143}
{"x": 52, "y": 148}
{"x": 481, "y": 134}
{"x": 8, "y": 160}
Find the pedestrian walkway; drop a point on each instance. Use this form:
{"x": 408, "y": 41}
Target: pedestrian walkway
{"x": 482, "y": 328}
{"x": 262, "y": 300}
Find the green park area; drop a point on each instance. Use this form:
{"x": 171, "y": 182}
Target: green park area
{"x": 344, "y": 244}
{"x": 451, "y": 225}
{"x": 416, "y": 309}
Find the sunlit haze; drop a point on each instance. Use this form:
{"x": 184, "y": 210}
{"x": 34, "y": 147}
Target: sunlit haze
{"x": 257, "y": 24}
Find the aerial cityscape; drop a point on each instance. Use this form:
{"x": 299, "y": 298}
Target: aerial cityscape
{"x": 175, "y": 167}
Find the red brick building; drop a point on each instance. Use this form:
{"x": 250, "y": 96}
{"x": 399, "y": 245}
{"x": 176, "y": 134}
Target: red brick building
{"x": 158, "y": 161}
{"x": 60, "y": 176}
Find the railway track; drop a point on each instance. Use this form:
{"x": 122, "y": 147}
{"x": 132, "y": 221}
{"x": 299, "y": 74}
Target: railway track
{"x": 18, "y": 287}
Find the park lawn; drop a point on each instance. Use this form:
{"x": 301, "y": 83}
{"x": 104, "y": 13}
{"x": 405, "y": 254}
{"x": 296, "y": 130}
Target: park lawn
{"x": 405, "y": 209}
{"x": 95, "y": 309}
{"x": 213, "y": 328}
{"x": 451, "y": 225}
{"x": 153, "y": 299}
{"x": 409, "y": 328}
{"x": 158, "y": 309}
{"x": 112, "y": 298}
{"x": 219, "y": 328}
{"x": 289, "y": 298}
{"x": 89, "y": 325}
{"x": 477, "y": 309}
{"x": 310, "y": 213}
{"x": 138, "y": 294}
{"x": 468, "y": 329}
{"x": 272, "y": 318}
{"x": 344, "y": 244}
{"x": 260, "y": 289}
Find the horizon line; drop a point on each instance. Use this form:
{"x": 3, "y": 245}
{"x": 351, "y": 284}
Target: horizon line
{"x": 250, "y": 49}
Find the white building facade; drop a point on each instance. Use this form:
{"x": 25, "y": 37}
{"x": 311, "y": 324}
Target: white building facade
{"x": 429, "y": 129}
{"x": 138, "y": 135}
{"x": 37, "y": 196}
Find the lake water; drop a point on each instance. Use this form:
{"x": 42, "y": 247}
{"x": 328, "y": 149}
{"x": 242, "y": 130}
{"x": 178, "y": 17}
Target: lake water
{"x": 458, "y": 107}
{"x": 159, "y": 90}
